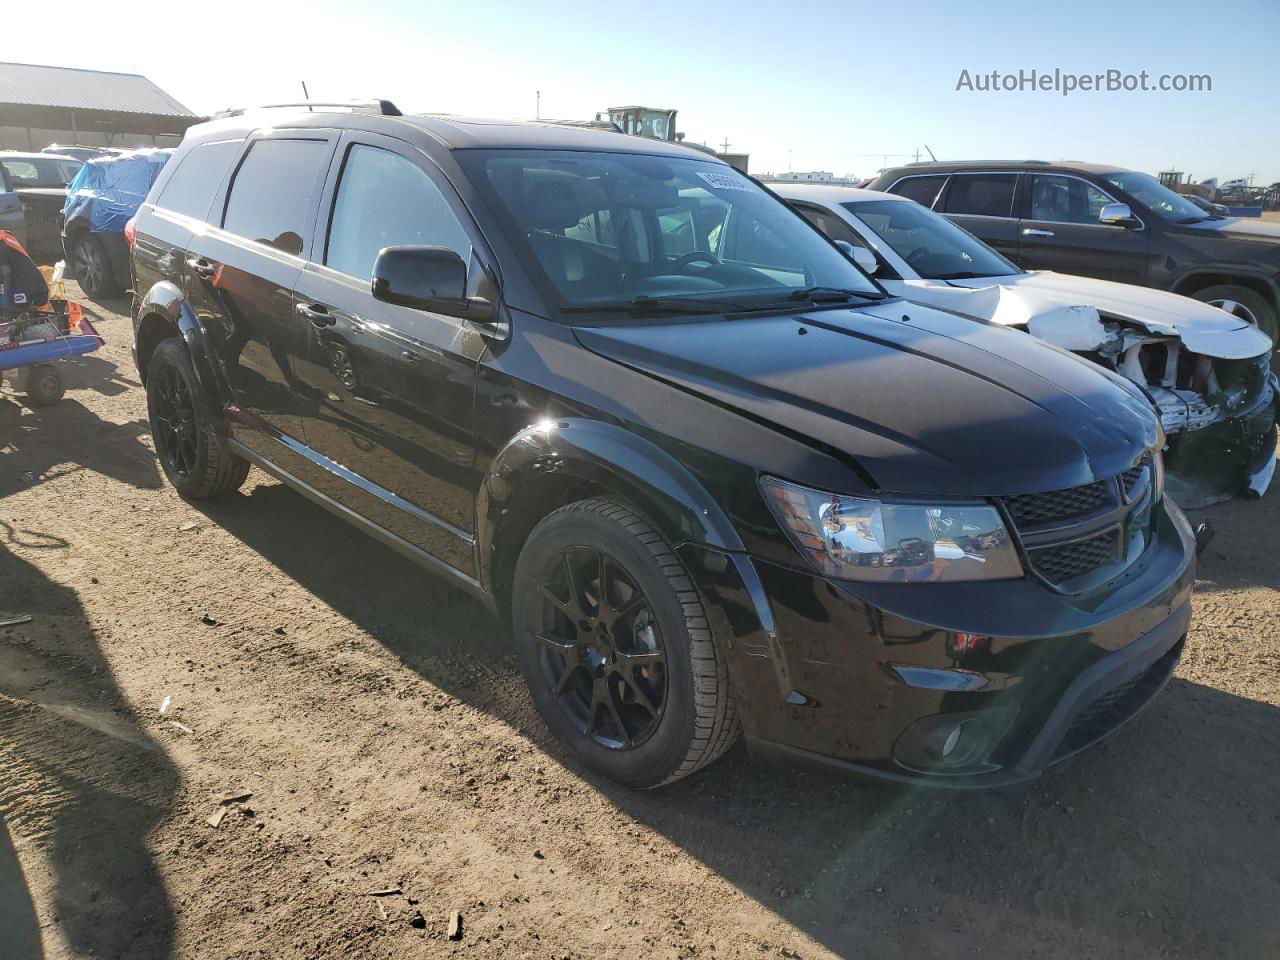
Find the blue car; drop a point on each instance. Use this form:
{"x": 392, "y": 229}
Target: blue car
{"x": 100, "y": 200}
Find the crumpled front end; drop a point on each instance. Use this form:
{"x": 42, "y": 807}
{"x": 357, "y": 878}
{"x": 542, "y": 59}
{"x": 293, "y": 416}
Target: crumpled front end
{"x": 1209, "y": 377}
{"x": 1219, "y": 414}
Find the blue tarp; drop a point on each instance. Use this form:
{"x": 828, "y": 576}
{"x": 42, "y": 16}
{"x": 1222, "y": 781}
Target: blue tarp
{"x": 109, "y": 190}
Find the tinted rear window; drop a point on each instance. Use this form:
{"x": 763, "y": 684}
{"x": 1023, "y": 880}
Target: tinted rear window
{"x": 191, "y": 188}
{"x": 39, "y": 171}
{"x": 981, "y": 194}
{"x": 920, "y": 189}
{"x": 272, "y": 193}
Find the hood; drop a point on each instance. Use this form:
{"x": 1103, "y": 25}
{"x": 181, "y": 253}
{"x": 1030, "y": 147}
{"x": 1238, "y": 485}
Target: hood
{"x": 931, "y": 405}
{"x": 1237, "y": 228}
{"x": 1065, "y": 309}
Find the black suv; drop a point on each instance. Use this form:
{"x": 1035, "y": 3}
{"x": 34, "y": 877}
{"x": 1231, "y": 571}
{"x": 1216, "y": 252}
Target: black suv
{"x": 1107, "y": 222}
{"x": 714, "y": 476}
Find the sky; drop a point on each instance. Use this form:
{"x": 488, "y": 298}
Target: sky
{"x": 847, "y": 87}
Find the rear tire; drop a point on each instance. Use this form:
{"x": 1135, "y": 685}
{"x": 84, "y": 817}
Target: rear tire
{"x": 93, "y": 269}
{"x": 627, "y": 675}
{"x": 1248, "y": 305}
{"x": 195, "y": 459}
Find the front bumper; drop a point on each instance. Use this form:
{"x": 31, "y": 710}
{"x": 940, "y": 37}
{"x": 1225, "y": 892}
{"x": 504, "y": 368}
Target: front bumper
{"x": 852, "y": 677}
{"x": 1232, "y": 456}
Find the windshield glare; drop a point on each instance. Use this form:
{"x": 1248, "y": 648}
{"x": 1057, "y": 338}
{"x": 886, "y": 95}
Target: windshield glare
{"x": 933, "y": 246}
{"x": 610, "y": 227}
{"x": 1151, "y": 193}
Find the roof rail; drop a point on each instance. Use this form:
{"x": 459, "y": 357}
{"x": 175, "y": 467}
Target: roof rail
{"x": 384, "y": 107}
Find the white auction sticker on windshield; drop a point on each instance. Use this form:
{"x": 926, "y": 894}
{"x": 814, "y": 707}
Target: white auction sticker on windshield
{"x": 725, "y": 181}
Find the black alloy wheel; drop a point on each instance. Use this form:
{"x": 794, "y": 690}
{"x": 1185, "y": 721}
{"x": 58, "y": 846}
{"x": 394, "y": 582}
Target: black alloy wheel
{"x": 174, "y": 422}
{"x": 602, "y": 653}
{"x": 615, "y": 643}
{"x": 195, "y": 459}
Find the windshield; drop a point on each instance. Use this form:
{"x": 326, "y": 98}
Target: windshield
{"x": 610, "y": 228}
{"x": 39, "y": 171}
{"x": 1150, "y": 192}
{"x": 933, "y": 246}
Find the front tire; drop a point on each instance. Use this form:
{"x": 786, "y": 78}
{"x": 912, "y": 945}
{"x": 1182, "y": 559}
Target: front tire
{"x": 614, "y": 642}
{"x": 194, "y": 458}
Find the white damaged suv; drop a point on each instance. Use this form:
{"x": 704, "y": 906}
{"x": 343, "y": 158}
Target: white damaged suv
{"x": 1206, "y": 371}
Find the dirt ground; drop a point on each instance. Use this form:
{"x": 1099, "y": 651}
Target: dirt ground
{"x": 385, "y": 736}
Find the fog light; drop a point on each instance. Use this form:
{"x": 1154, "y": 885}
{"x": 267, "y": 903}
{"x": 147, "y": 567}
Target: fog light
{"x": 948, "y": 744}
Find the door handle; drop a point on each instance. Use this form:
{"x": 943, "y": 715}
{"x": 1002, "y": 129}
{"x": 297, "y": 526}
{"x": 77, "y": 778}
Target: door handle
{"x": 410, "y": 356}
{"x": 202, "y": 268}
{"x": 318, "y": 314}
{"x": 1033, "y": 232}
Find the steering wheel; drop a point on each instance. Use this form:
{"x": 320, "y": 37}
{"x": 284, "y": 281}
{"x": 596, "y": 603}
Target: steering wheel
{"x": 694, "y": 257}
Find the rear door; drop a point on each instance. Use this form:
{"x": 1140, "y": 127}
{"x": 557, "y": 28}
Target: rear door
{"x": 182, "y": 207}
{"x": 983, "y": 204}
{"x": 1060, "y": 231}
{"x": 239, "y": 274}
{"x": 390, "y": 389}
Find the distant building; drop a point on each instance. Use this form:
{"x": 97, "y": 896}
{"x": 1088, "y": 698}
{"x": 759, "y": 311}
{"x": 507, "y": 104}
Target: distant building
{"x": 40, "y": 105}
{"x": 809, "y": 176}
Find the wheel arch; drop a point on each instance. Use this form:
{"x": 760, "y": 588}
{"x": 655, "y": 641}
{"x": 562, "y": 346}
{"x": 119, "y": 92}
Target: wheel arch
{"x": 163, "y": 313}
{"x": 551, "y": 464}
{"x": 1195, "y": 280}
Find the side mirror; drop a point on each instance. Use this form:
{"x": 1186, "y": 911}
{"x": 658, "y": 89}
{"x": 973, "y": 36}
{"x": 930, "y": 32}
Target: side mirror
{"x": 1117, "y": 215}
{"x": 866, "y": 260}
{"x": 860, "y": 255}
{"x": 429, "y": 278}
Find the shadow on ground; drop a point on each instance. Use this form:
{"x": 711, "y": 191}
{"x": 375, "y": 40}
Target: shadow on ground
{"x": 34, "y": 445}
{"x": 81, "y": 784}
{"x": 1242, "y": 552}
{"x": 1180, "y": 808}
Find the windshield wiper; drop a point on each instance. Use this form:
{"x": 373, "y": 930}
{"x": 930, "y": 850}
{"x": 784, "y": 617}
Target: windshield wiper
{"x": 643, "y": 304}
{"x": 1189, "y": 220}
{"x": 965, "y": 275}
{"x": 832, "y": 294}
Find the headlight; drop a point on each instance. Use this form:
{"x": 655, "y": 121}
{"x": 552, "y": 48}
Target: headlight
{"x": 855, "y": 539}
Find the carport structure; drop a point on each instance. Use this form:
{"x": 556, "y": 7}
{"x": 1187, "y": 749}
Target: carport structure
{"x": 41, "y": 104}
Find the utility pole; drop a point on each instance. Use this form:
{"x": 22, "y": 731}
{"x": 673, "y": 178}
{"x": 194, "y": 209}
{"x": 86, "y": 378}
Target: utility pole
{"x": 537, "y": 109}
{"x": 724, "y": 147}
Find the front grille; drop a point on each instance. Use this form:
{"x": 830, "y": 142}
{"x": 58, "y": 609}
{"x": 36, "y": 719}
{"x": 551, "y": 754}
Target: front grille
{"x": 1034, "y": 508}
{"x": 1129, "y": 479}
{"x": 1064, "y": 562}
{"x": 1117, "y": 705}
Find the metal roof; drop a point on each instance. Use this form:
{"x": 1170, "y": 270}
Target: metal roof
{"x": 29, "y": 84}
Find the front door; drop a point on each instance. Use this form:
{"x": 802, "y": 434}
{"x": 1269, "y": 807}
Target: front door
{"x": 240, "y": 273}
{"x": 390, "y": 389}
{"x": 1062, "y": 232}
